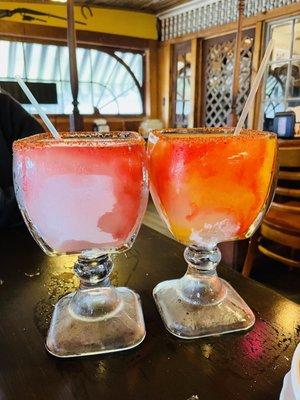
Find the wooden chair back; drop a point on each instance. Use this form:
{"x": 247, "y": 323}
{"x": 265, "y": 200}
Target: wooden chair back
{"x": 281, "y": 225}
{"x": 289, "y": 173}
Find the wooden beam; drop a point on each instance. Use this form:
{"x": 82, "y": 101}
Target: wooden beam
{"x": 111, "y": 40}
{"x": 199, "y": 95}
{"x": 165, "y": 57}
{"x": 233, "y": 117}
{"x": 49, "y": 34}
{"x": 195, "y": 70}
{"x": 254, "y": 113}
{"x": 151, "y": 80}
{"x": 76, "y": 120}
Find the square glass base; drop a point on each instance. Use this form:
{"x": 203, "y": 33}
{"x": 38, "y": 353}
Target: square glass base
{"x": 71, "y": 335}
{"x": 189, "y": 320}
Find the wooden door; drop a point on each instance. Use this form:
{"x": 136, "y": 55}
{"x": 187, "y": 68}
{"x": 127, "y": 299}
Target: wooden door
{"x": 217, "y": 68}
{"x": 181, "y": 85}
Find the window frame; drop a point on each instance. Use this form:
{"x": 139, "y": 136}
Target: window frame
{"x": 142, "y": 88}
{"x": 89, "y": 41}
{"x": 286, "y": 98}
{"x": 182, "y": 48}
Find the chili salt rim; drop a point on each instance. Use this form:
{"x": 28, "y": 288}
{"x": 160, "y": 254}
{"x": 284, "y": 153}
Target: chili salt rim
{"x": 82, "y": 139}
{"x": 209, "y": 133}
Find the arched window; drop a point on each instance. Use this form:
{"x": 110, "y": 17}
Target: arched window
{"x": 110, "y": 80}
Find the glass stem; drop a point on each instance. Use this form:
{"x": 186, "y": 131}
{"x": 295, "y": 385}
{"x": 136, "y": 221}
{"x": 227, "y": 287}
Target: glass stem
{"x": 201, "y": 285}
{"x": 95, "y": 297}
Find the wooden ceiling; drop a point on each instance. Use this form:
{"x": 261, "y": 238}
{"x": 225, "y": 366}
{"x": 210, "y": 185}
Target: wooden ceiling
{"x": 152, "y": 6}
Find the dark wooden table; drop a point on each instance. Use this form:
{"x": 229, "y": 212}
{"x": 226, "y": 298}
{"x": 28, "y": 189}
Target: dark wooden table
{"x": 231, "y": 367}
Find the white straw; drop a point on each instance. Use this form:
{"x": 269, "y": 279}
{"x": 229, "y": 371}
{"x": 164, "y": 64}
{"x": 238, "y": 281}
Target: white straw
{"x": 38, "y": 108}
{"x": 254, "y": 88}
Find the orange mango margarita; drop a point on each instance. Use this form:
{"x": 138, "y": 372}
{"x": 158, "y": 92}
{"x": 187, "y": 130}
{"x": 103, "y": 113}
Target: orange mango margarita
{"x": 211, "y": 187}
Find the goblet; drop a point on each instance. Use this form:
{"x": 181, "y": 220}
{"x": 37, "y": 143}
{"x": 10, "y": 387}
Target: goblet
{"x": 86, "y": 194}
{"x": 209, "y": 186}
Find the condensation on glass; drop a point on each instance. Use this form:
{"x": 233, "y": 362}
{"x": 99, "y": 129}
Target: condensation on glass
{"x": 111, "y": 81}
{"x": 282, "y": 79}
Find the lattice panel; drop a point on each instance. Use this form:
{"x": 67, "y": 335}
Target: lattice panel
{"x": 218, "y": 80}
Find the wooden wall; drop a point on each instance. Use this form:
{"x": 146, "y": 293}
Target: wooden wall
{"x": 165, "y": 51}
{"x": 104, "y": 20}
{"x": 61, "y": 122}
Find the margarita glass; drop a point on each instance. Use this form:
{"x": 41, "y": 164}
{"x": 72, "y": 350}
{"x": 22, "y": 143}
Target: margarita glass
{"x": 86, "y": 194}
{"x": 209, "y": 186}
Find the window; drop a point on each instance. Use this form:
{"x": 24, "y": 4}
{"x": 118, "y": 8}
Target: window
{"x": 282, "y": 81}
{"x": 112, "y": 81}
{"x": 218, "y": 67}
{"x": 181, "y": 84}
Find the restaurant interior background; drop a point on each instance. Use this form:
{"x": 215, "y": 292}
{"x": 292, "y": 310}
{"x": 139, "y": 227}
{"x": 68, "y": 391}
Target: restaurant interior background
{"x": 172, "y": 61}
